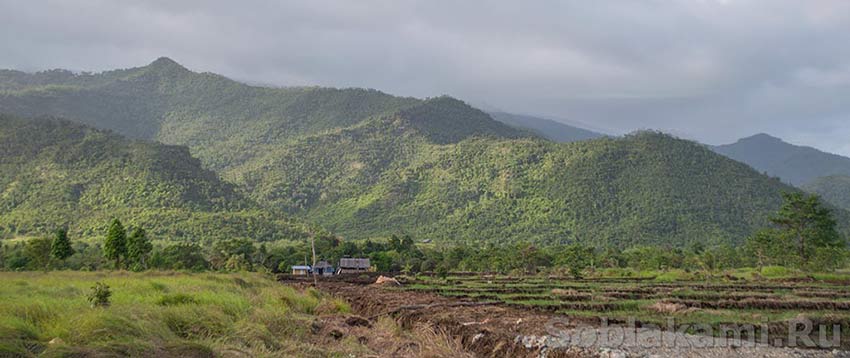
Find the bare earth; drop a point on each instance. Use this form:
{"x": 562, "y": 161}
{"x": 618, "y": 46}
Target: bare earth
{"x": 486, "y": 329}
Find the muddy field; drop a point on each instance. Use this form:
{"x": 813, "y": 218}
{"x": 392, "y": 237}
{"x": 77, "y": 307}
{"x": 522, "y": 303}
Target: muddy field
{"x": 533, "y": 317}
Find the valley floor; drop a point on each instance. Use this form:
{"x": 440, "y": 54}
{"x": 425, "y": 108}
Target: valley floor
{"x": 173, "y": 314}
{"x": 176, "y": 314}
{"x": 158, "y": 314}
{"x": 488, "y": 326}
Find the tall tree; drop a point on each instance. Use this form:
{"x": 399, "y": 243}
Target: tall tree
{"x": 37, "y": 252}
{"x": 138, "y": 249}
{"x": 115, "y": 245}
{"x": 804, "y": 219}
{"x": 576, "y": 258}
{"x": 61, "y": 248}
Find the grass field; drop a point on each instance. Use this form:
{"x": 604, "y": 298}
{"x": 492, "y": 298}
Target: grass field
{"x": 770, "y": 303}
{"x": 157, "y": 314}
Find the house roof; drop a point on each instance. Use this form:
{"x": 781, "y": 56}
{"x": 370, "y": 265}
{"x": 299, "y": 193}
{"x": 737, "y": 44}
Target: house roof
{"x": 357, "y": 263}
{"x": 323, "y": 264}
{"x": 300, "y": 267}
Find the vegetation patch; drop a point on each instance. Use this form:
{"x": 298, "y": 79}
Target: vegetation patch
{"x": 202, "y": 315}
{"x": 176, "y": 299}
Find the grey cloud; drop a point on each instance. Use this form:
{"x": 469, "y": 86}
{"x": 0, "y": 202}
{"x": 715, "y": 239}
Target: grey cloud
{"x": 704, "y": 69}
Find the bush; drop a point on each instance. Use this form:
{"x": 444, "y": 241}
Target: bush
{"x": 774, "y": 271}
{"x": 99, "y": 295}
{"x": 674, "y": 275}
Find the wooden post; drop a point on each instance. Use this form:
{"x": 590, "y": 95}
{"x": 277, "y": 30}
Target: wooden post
{"x": 313, "y": 268}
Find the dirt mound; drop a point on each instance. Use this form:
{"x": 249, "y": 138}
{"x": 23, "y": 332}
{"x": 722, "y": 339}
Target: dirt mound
{"x": 384, "y": 280}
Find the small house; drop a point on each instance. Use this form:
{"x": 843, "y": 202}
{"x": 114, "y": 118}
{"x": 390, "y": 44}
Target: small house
{"x": 323, "y": 268}
{"x": 353, "y": 265}
{"x": 301, "y": 270}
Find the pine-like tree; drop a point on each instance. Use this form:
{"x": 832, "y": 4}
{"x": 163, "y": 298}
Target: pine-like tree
{"x": 61, "y": 248}
{"x": 804, "y": 219}
{"x": 115, "y": 245}
{"x": 138, "y": 249}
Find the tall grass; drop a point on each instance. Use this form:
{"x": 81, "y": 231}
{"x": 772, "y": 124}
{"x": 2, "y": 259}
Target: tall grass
{"x": 156, "y": 314}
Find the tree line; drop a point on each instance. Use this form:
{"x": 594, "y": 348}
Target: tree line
{"x": 802, "y": 234}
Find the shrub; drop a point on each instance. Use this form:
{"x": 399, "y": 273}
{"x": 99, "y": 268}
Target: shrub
{"x": 674, "y": 275}
{"x": 99, "y": 295}
{"x": 774, "y": 271}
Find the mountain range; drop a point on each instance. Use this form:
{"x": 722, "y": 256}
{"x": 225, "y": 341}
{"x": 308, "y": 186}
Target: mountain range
{"x": 793, "y": 164}
{"x": 362, "y": 163}
{"x": 815, "y": 171}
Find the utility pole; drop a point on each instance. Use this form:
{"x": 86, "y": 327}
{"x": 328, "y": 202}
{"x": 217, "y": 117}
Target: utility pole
{"x": 313, "y": 268}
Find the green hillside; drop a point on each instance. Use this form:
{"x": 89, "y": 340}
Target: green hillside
{"x": 835, "y": 189}
{"x": 223, "y": 122}
{"x": 645, "y": 188}
{"x": 54, "y": 172}
{"x": 362, "y": 163}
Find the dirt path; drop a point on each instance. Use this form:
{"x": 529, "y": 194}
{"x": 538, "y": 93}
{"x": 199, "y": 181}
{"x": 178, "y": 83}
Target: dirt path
{"x": 489, "y": 329}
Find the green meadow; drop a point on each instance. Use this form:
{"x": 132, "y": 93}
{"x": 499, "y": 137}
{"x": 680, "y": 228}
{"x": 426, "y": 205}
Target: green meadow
{"x": 157, "y": 314}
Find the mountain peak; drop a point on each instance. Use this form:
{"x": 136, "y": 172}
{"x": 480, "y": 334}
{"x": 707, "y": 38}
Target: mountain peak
{"x": 792, "y": 163}
{"x": 446, "y": 119}
{"x": 762, "y": 137}
{"x": 166, "y": 63}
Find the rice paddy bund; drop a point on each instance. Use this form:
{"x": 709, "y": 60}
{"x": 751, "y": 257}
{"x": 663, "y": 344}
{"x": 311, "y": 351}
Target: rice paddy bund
{"x": 157, "y": 314}
{"x": 770, "y": 303}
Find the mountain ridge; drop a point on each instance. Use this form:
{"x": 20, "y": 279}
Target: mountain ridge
{"x": 58, "y": 173}
{"x": 547, "y": 128}
{"x": 794, "y": 164}
{"x": 213, "y": 115}
{"x": 363, "y": 163}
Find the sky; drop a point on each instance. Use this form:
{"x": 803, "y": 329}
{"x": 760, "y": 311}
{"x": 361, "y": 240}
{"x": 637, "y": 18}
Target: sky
{"x": 709, "y": 70}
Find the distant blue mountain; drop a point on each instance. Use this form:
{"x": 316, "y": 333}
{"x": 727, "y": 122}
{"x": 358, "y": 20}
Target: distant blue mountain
{"x": 793, "y": 164}
{"x": 553, "y": 130}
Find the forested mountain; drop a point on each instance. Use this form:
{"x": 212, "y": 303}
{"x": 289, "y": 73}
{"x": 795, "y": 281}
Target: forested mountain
{"x": 55, "y": 173}
{"x": 546, "y": 128}
{"x": 835, "y": 189}
{"x": 644, "y": 188}
{"x": 797, "y": 165}
{"x": 225, "y": 123}
{"x": 362, "y": 163}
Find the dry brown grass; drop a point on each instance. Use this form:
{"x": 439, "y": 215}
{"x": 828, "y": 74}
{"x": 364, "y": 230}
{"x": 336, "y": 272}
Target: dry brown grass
{"x": 669, "y": 308}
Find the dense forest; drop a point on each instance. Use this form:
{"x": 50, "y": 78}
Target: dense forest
{"x": 833, "y": 189}
{"x": 801, "y": 235}
{"x": 359, "y": 163}
{"x": 55, "y": 173}
{"x": 646, "y": 188}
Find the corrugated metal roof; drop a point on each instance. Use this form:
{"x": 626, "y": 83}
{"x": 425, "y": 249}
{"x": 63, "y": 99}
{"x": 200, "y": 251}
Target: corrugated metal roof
{"x": 300, "y": 267}
{"x": 356, "y": 263}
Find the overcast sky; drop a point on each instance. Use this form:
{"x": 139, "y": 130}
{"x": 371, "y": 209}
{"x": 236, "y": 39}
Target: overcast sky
{"x": 711, "y": 70}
